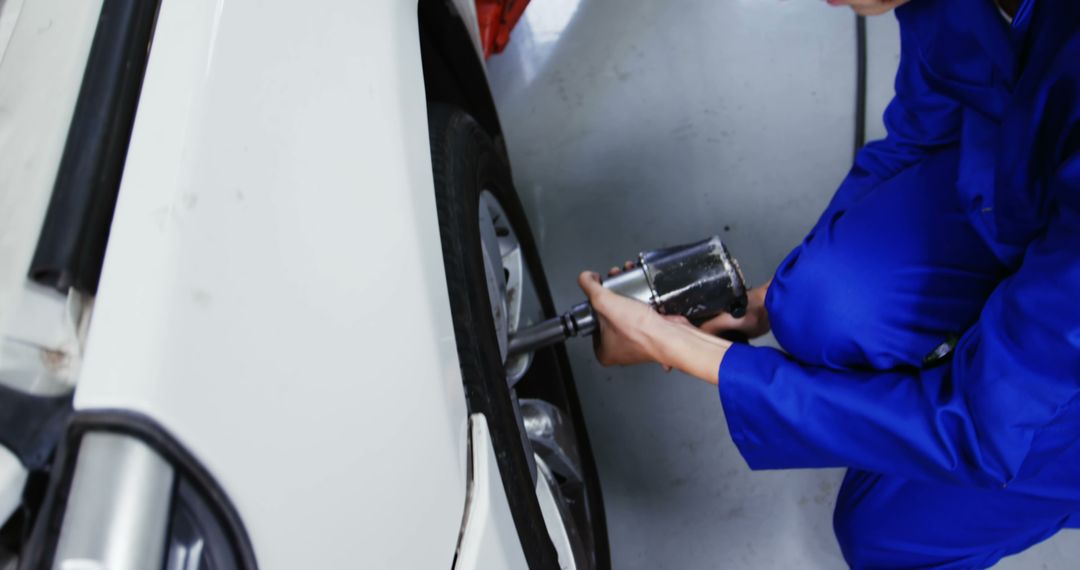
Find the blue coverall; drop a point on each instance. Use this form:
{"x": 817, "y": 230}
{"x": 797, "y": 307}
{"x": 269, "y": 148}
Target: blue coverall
{"x": 964, "y": 222}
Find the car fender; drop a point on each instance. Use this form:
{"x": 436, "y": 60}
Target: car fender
{"x": 273, "y": 291}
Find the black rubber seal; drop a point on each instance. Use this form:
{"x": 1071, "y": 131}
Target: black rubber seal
{"x": 71, "y": 247}
{"x": 39, "y": 551}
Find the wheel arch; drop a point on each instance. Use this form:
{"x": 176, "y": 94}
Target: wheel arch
{"x": 453, "y": 70}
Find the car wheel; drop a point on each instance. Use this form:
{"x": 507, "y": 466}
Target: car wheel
{"x": 496, "y": 285}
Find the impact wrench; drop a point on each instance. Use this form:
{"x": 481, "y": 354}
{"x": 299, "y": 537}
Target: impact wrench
{"x": 698, "y": 281}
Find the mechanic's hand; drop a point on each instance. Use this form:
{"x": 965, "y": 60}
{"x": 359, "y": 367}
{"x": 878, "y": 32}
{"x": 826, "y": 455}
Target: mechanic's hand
{"x": 753, "y": 324}
{"x": 625, "y": 325}
{"x": 631, "y": 332}
{"x": 869, "y": 7}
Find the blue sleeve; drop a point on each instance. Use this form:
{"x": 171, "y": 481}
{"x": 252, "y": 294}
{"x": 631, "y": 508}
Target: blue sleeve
{"x": 919, "y": 120}
{"x": 1005, "y": 405}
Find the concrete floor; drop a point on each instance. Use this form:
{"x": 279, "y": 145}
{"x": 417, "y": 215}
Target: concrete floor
{"x": 636, "y": 124}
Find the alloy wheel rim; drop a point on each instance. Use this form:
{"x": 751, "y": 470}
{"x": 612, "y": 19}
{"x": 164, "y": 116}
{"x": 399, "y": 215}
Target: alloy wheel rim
{"x": 546, "y": 435}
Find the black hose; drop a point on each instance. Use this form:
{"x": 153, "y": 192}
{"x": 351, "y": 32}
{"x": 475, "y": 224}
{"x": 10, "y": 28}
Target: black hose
{"x": 860, "y": 83}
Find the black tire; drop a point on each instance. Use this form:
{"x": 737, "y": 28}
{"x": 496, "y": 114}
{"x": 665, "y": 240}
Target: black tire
{"x": 465, "y": 162}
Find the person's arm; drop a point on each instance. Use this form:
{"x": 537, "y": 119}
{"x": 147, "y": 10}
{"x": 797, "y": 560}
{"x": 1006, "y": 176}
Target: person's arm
{"x": 1006, "y": 404}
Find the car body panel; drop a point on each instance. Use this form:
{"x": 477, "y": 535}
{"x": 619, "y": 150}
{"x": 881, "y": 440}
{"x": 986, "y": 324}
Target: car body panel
{"x": 489, "y": 538}
{"x": 273, "y": 291}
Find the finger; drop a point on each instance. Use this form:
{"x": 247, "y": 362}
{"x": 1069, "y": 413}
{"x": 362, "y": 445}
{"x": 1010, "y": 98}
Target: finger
{"x": 628, "y": 265}
{"x": 614, "y": 271}
{"x": 589, "y": 283}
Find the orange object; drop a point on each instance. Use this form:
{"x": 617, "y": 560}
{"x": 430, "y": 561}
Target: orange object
{"x": 497, "y": 18}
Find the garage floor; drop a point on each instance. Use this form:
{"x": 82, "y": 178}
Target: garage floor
{"x": 640, "y": 123}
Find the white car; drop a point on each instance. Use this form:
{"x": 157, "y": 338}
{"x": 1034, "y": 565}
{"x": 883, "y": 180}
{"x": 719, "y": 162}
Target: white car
{"x": 259, "y": 262}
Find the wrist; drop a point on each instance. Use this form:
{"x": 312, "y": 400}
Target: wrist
{"x": 658, "y": 340}
{"x": 687, "y": 349}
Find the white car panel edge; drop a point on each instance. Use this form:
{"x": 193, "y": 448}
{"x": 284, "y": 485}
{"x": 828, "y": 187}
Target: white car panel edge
{"x": 546, "y": 491}
{"x": 489, "y": 539}
{"x": 274, "y": 262}
{"x": 12, "y": 480}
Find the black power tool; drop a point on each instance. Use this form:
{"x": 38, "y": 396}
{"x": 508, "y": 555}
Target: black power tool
{"x": 698, "y": 281}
